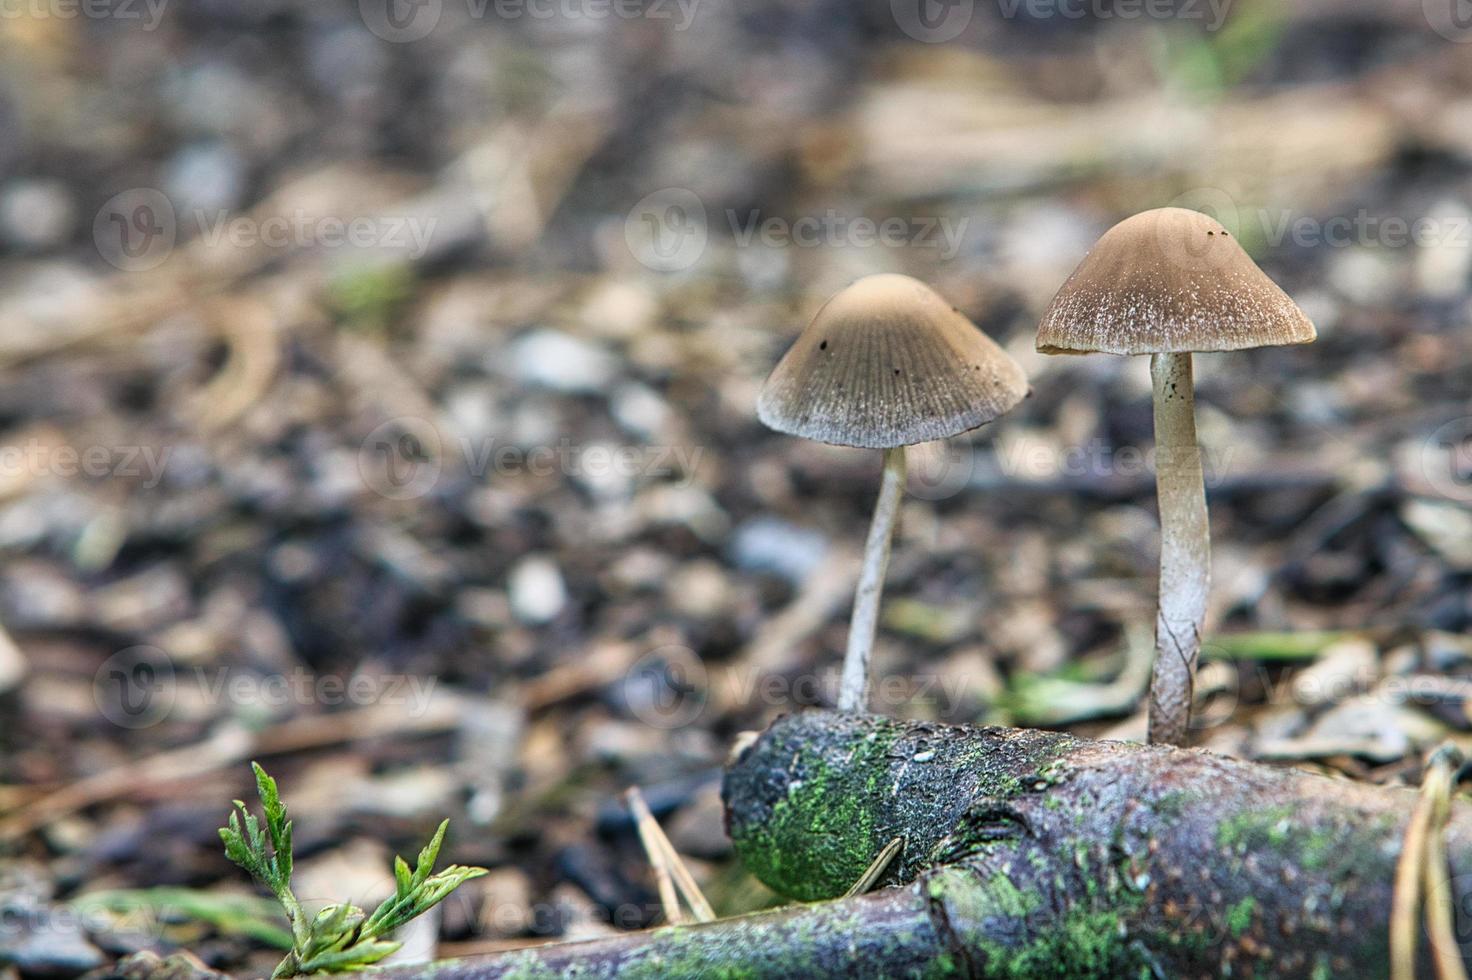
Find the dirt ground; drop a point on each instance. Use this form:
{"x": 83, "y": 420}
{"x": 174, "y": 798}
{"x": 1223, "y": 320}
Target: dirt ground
{"x": 377, "y": 402}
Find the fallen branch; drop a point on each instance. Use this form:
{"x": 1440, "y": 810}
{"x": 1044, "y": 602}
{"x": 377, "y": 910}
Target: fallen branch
{"x": 1101, "y": 858}
{"x": 1030, "y": 854}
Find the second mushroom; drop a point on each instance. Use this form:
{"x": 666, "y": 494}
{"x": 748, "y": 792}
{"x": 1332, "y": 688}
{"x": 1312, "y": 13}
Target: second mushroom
{"x": 1168, "y": 283}
{"x": 885, "y": 364}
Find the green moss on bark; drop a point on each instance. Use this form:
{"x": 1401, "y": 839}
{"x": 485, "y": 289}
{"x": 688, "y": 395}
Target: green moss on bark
{"x": 820, "y": 795}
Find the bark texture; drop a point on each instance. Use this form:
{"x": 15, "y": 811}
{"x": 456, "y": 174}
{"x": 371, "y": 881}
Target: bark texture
{"x": 1026, "y": 855}
{"x": 1101, "y": 855}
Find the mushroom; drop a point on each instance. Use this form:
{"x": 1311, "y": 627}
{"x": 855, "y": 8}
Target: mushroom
{"x": 885, "y": 364}
{"x": 1168, "y": 283}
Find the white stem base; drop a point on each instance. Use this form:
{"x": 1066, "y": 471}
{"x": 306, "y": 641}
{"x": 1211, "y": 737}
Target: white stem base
{"x": 853, "y": 690}
{"x": 1185, "y": 549}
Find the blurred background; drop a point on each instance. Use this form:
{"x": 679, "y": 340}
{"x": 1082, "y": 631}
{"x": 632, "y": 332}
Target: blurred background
{"x": 377, "y": 386}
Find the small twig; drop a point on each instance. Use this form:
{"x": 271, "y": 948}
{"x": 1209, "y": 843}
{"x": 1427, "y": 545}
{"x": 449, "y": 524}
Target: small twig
{"x": 1423, "y": 862}
{"x": 684, "y": 880}
{"x": 771, "y": 651}
{"x": 876, "y": 868}
{"x": 649, "y": 834}
{"x": 250, "y": 328}
{"x": 1446, "y": 955}
{"x": 228, "y": 746}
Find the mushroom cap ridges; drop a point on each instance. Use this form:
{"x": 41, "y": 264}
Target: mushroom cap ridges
{"x": 885, "y": 363}
{"x": 1169, "y": 281}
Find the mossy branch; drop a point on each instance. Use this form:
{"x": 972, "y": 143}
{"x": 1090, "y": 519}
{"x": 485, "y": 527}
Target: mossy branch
{"x": 1031, "y": 854}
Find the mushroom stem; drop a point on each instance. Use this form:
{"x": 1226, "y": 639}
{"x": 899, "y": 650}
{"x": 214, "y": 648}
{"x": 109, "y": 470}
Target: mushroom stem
{"x": 1185, "y": 549}
{"x": 853, "y": 691}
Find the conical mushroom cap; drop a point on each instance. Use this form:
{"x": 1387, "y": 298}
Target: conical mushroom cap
{"x": 885, "y": 363}
{"x": 1169, "y": 281}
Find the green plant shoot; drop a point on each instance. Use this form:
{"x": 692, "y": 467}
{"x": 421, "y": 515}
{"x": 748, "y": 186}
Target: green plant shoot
{"x": 339, "y": 938}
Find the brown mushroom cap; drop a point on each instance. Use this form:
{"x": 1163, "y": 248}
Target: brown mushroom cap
{"x": 1169, "y": 281}
{"x": 886, "y": 363}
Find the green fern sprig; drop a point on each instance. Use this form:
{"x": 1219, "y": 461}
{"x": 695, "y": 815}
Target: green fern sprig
{"x": 339, "y": 938}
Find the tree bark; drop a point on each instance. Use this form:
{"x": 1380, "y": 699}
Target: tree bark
{"x": 1029, "y": 854}
{"x": 1106, "y": 857}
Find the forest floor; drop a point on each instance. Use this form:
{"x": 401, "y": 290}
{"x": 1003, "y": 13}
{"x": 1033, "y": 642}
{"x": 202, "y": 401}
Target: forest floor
{"x": 468, "y": 514}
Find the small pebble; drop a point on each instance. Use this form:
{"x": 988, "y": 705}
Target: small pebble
{"x": 536, "y": 589}
{"x": 767, "y": 544}
{"x": 551, "y": 359}
{"x": 203, "y": 181}
{"x": 36, "y": 214}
